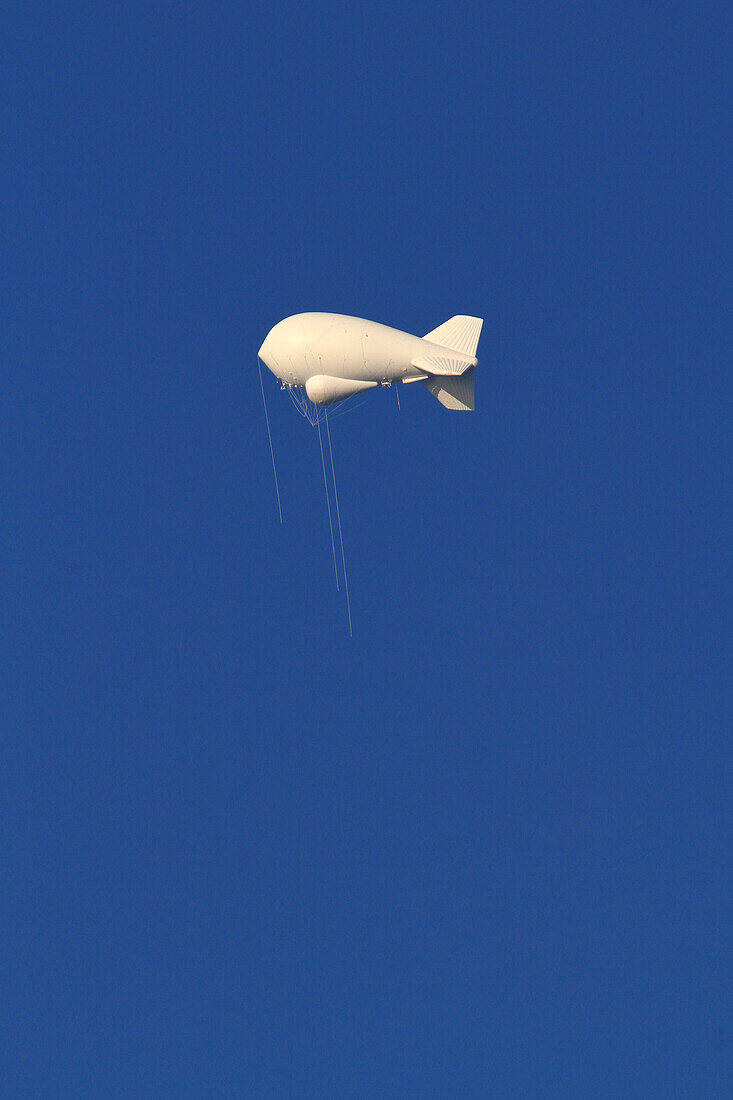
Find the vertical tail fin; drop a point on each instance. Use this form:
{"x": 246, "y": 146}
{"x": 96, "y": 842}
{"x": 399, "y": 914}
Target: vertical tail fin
{"x": 460, "y": 333}
{"x": 454, "y": 391}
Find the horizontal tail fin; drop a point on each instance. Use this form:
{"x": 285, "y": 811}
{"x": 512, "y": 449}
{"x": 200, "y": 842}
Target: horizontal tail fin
{"x": 454, "y": 391}
{"x": 460, "y": 334}
{"x": 443, "y": 364}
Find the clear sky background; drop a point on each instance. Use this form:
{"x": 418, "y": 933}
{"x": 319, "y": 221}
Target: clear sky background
{"x": 483, "y": 847}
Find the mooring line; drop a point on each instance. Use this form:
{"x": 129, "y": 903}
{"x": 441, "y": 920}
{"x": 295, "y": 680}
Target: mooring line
{"x": 328, "y": 505}
{"x": 269, "y": 436}
{"x": 338, "y": 516}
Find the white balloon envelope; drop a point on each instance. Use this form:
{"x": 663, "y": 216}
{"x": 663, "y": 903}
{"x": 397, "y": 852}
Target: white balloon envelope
{"x": 331, "y": 357}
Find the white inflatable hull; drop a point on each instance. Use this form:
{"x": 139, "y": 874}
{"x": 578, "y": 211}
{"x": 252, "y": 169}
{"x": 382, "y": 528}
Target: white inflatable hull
{"x": 333, "y": 356}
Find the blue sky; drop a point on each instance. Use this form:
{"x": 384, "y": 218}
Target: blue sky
{"x": 483, "y": 847}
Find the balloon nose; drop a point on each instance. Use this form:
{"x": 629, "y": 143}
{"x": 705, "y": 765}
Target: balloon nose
{"x": 275, "y": 350}
{"x": 266, "y": 354}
